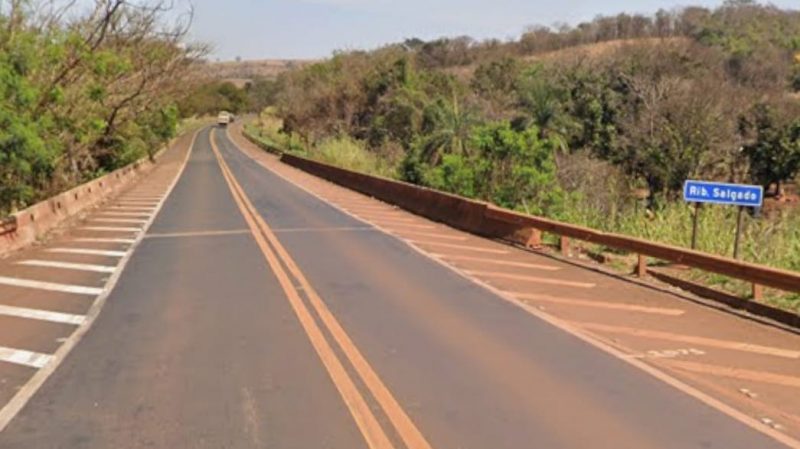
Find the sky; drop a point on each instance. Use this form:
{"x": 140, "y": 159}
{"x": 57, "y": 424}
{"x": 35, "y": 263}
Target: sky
{"x": 309, "y": 29}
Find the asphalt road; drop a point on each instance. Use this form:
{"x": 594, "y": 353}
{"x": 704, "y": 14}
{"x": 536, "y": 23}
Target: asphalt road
{"x": 256, "y": 315}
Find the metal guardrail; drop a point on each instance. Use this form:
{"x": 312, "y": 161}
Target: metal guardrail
{"x": 759, "y": 275}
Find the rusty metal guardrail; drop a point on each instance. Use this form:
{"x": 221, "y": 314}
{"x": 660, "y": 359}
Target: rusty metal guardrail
{"x": 759, "y": 275}
{"x": 397, "y": 192}
{"x": 478, "y": 217}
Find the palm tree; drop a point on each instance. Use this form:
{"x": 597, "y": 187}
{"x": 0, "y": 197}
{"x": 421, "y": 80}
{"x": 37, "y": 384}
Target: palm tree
{"x": 446, "y": 128}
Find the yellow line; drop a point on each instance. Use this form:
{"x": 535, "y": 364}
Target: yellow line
{"x": 365, "y": 420}
{"x": 597, "y": 304}
{"x": 408, "y": 432}
{"x": 517, "y": 277}
{"x": 711, "y": 342}
{"x": 736, "y": 373}
{"x": 504, "y": 263}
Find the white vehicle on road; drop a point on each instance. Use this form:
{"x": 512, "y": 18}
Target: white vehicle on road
{"x": 224, "y": 118}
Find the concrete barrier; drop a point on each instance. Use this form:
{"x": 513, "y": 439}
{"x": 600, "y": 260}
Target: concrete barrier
{"x": 29, "y": 225}
{"x": 456, "y": 211}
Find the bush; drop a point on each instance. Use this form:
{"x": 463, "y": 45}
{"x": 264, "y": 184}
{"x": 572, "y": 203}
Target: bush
{"x": 351, "y": 154}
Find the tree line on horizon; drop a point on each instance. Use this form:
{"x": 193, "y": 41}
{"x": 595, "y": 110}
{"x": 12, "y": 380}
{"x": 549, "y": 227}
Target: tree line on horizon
{"x": 715, "y": 103}
{"x": 580, "y": 135}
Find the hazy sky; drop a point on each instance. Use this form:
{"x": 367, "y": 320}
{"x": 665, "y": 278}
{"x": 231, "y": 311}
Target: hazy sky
{"x": 255, "y": 29}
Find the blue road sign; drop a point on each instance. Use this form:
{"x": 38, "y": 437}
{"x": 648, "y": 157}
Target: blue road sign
{"x": 721, "y": 193}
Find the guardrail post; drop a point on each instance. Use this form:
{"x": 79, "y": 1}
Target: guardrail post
{"x": 535, "y": 240}
{"x": 641, "y": 266}
{"x": 564, "y": 244}
{"x": 758, "y": 292}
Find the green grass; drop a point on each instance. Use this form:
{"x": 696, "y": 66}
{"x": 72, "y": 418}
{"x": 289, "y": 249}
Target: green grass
{"x": 772, "y": 240}
{"x": 351, "y": 154}
{"x": 192, "y": 123}
{"x": 343, "y": 151}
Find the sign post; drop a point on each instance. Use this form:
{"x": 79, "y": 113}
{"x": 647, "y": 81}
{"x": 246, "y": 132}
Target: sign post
{"x": 741, "y": 195}
{"x": 695, "y": 219}
{"x": 738, "y": 232}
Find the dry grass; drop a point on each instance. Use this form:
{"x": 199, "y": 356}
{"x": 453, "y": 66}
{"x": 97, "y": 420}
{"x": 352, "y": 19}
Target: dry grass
{"x": 603, "y": 49}
{"x": 247, "y": 70}
{"x": 579, "y": 53}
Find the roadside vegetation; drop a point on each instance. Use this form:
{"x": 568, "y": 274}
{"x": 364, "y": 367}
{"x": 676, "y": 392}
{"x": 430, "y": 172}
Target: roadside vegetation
{"x": 85, "y": 89}
{"x": 598, "y": 124}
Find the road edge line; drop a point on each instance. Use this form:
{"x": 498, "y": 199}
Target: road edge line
{"x": 12, "y": 408}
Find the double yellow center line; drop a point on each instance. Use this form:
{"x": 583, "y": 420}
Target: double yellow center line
{"x": 280, "y": 262}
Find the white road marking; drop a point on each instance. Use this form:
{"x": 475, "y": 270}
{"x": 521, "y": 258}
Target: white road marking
{"x": 21, "y": 357}
{"x": 670, "y": 353}
{"x": 23, "y": 394}
{"x": 458, "y": 238}
{"x": 42, "y": 315}
{"x": 691, "y": 339}
{"x": 464, "y": 247}
{"x": 196, "y": 234}
{"x": 110, "y": 229}
{"x": 394, "y": 222}
{"x": 504, "y": 263}
{"x": 100, "y": 240}
{"x": 597, "y": 304}
{"x": 735, "y": 373}
{"x": 118, "y": 220}
{"x": 385, "y": 217}
{"x": 137, "y": 207}
{"x": 124, "y": 208}
{"x": 68, "y": 266}
{"x": 50, "y": 286}
{"x": 124, "y": 214}
{"x": 538, "y": 280}
{"x": 369, "y": 209}
{"x": 87, "y": 251}
{"x": 137, "y": 203}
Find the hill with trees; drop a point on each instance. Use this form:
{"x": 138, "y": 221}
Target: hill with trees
{"x": 576, "y": 123}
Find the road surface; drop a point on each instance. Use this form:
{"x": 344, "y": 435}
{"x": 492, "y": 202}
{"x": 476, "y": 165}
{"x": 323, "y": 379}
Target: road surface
{"x": 253, "y": 314}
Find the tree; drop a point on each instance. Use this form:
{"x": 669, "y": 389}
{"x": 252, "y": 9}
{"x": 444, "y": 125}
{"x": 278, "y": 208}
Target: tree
{"x": 262, "y": 93}
{"x": 85, "y": 88}
{"x": 446, "y": 125}
{"x": 774, "y": 153}
{"x": 495, "y": 82}
{"x": 673, "y": 116}
{"x": 520, "y": 167}
{"x": 542, "y": 102}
